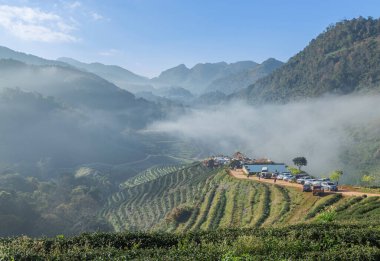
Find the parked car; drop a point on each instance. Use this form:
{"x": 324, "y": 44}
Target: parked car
{"x": 266, "y": 175}
{"x": 283, "y": 176}
{"x": 286, "y": 178}
{"x": 309, "y": 181}
{"x": 330, "y": 186}
{"x": 316, "y": 183}
{"x": 299, "y": 176}
{"x": 306, "y": 188}
{"x": 302, "y": 180}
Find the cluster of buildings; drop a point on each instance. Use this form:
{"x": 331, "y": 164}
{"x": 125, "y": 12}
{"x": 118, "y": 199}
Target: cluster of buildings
{"x": 249, "y": 166}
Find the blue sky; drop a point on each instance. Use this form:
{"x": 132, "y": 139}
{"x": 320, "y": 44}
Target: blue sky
{"x": 147, "y": 37}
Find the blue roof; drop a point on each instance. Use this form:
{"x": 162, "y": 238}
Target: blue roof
{"x": 271, "y": 167}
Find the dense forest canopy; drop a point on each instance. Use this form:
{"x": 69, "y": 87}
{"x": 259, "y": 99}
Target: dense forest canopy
{"x": 343, "y": 59}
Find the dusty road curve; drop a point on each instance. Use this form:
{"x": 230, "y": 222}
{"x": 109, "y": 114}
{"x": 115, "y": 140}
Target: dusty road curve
{"x": 240, "y": 175}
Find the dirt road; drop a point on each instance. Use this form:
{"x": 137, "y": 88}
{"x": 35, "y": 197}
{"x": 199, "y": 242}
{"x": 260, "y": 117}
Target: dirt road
{"x": 240, "y": 175}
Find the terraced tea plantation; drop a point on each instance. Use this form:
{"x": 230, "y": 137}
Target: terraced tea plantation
{"x": 193, "y": 197}
{"x": 150, "y": 174}
{"x": 299, "y": 242}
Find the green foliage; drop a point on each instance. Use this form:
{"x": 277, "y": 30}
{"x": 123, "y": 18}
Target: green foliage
{"x": 336, "y": 175}
{"x": 286, "y": 198}
{"x": 325, "y": 241}
{"x": 349, "y": 203}
{"x": 299, "y": 162}
{"x": 146, "y": 204}
{"x": 179, "y": 214}
{"x": 150, "y": 174}
{"x": 364, "y": 209}
{"x": 294, "y": 171}
{"x": 330, "y": 200}
{"x": 367, "y": 179}
{"x": 326, "y": 216}
{"x": 266, "y": 207}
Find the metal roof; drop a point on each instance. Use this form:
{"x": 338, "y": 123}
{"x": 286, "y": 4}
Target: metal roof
{"x": 271, "y": 167}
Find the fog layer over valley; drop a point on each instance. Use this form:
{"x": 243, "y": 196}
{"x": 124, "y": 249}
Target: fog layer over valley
{"x": 327, "y": 131}
{"x": 65, "y": 117}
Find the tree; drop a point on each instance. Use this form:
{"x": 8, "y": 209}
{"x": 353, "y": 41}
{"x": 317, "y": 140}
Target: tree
{"x": 211, "y": 163}
{"x": 299, "y": 162}
{"x": 368, "y": 179}
{"x": 235, "y": 164}
{"x": 335, "y": 175}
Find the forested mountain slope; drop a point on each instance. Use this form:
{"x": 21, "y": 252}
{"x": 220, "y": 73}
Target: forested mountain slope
{"x": 343, "y": 59}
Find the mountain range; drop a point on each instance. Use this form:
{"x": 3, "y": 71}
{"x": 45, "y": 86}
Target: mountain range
{"x": 6, "y": 53}
{"x": 121, "y": 77}
{"x": 209, "y": 77}
{"x": 237, "y": 81}
{"x": 200, "y": 79}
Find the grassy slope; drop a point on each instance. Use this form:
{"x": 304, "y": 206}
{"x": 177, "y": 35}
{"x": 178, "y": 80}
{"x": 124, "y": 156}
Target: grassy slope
{"x": 216, "y": 200}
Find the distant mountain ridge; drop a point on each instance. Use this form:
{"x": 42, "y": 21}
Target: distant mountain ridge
{"x": 67, "y": 84}
{"x": 244, "y": 78}
{"x": 198, "y": 78}
{"x": 6, "y": 53}
{"x": 201, "y": 79}
{"x": 342, "y": 60}
{"x": 118, "y": 75}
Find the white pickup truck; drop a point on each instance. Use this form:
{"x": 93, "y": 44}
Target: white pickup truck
{"x": 265, "y": 173}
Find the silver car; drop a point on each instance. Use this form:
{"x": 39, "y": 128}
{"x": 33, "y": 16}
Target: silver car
{"x": 309, "y": 181}
{"x": 303, "y": 180}
{"x": 330, "y": 186}
{"x": 286, "y": 178}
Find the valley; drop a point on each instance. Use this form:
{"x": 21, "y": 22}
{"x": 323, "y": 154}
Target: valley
{"x": 100, "y": 163}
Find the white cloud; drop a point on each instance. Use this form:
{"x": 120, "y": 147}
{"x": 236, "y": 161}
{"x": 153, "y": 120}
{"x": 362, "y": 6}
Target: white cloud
{"x": 96, "y": 16}
{"x": 35, "y": 25}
